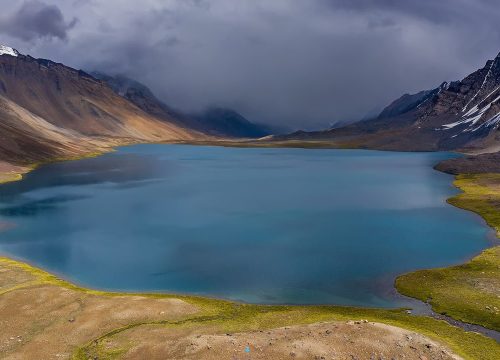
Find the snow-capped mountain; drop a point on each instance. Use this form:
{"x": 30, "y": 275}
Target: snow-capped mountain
{"x": 6, "y": 50}
{"x": 459, "y": 114}
{"x": 480, "y": 95}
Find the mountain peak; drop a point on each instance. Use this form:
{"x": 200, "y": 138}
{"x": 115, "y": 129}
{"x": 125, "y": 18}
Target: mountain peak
{"x": 7, "y": 50}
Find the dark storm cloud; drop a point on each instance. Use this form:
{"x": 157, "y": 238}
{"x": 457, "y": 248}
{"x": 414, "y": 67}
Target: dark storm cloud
{"x": 34, "y": 20}
{"x": 304, "y": 64}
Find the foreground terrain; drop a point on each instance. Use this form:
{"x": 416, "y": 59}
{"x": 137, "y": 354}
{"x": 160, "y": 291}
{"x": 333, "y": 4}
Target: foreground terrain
{"x": 43, "y": 317}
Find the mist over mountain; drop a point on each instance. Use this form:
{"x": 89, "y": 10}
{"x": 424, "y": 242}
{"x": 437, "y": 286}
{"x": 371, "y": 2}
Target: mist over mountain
{"x": 49, "y": 110}
{"x": 460, "y": 114}
{"x": 298, "y": 64}
{"x": 214, "y": 120}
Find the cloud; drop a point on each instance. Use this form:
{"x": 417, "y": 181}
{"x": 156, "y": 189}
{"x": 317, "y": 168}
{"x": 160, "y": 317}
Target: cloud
{"x": 302, "y": 64}
{"x": 35, "y": 20}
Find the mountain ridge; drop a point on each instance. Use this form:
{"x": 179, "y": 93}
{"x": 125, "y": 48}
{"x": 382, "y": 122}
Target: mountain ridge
{"x": 462, "y": 114}
{"x": 51, "y": 111}
{"x": 214, "y": 121}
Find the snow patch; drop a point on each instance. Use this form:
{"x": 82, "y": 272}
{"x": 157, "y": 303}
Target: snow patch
{"x": 6, "y": 50}
{"x": 493, "y": 122}
{"x": 482, "y": 85}
{"x": 472, "y": 116}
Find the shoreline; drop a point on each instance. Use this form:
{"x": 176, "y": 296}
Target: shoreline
{"x": 465, "y": 292}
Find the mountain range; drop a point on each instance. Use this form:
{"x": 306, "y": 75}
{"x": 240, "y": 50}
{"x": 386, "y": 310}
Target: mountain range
{"x": 216, "y": 121}
{"x": 51, "y": 111}
{"x": 455, "y": 115}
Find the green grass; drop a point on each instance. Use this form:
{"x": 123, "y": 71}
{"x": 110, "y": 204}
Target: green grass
{"x": 468, "y": 292}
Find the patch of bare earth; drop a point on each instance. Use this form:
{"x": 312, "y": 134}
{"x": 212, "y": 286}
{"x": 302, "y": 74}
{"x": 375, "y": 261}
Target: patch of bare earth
{"x": 42, "y": 321}
{"x": 333, "y": 340}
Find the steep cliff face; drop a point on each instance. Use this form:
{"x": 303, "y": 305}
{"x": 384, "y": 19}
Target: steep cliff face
{"x": 460, "y": 114}
{"x": 50, "y": 110}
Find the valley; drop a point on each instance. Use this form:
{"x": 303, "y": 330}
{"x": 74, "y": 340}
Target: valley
{"x": 50, "y": 112}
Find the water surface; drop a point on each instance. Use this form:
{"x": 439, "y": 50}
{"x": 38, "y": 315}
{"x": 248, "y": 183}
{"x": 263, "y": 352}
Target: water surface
{"x": 258, "y": 225}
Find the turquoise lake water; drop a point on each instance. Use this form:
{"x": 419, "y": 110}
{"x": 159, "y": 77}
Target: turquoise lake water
{"x": 288, "y": 226}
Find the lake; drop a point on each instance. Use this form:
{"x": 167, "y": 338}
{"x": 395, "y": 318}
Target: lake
{"x": 294, "y": 226}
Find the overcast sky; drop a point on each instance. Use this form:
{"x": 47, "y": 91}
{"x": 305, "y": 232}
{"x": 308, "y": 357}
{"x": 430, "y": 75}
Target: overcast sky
{"x": 298, "y": 63}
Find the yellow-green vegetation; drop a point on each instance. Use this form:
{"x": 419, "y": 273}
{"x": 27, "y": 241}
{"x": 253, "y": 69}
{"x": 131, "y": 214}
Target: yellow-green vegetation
{"x": 8, "y": 177}
{"x": 220, "y": 316}
{"x": 481, "y": 194}
{"x": 468, "y": 292}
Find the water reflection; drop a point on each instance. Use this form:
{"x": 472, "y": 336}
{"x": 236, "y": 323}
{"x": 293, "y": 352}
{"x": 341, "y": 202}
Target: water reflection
{"x": 120, "y": 169}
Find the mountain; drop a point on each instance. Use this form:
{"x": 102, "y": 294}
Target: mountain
{"x": 227, "y": 122}
{"x": 49, "y": 110}
{"x": 462, "y": 114}
{"x": 214, "y": 121}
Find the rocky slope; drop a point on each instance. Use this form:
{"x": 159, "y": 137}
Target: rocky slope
{"x": 215, "y": 121}
{"x": 456, "y": 115}
{"x": 49, "y": 110}
{"x": 479, "y": 164}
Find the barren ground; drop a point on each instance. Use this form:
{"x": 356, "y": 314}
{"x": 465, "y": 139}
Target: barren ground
{"x": 42, "y": 317}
